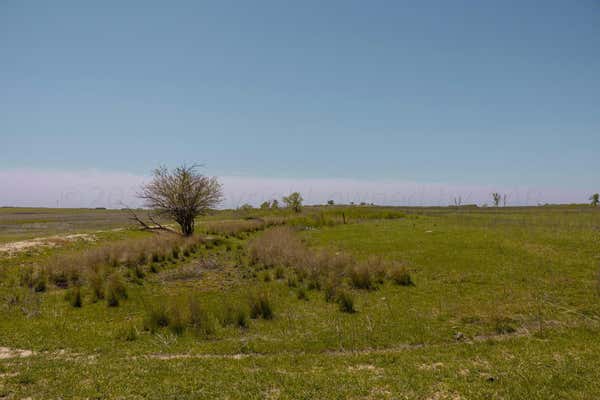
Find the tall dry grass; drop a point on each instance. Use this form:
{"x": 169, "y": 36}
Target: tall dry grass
{"x": 322, "y": 269}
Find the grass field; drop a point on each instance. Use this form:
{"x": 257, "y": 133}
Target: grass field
{"x": 491, "y": 304}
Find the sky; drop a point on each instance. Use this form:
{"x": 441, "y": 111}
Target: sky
{"x": 410, "y": 103}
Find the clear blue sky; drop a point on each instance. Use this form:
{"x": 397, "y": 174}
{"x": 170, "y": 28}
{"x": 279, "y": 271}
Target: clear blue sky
{"x": 480, "y": 92}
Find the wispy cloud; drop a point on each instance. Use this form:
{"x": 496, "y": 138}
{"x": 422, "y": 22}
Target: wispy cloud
{"x": 28, "y": 187}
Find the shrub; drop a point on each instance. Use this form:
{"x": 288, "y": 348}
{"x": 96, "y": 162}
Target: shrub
{"x": 345, "y": 301}
{"x": 401, "y": 276}
{"x": 267, "y": 276}
{"x": 175, "y": 252}
{"x": 260, "y": 306}
{"x": 73, "y": 296}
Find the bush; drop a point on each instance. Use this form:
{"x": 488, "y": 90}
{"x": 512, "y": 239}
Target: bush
{"x": 401, "y": 276}
{"x": 115, "y": 290}
{"x": 345, "y": 301}
{"x": 73, "y": 296}
{"x": 260, "y": 306}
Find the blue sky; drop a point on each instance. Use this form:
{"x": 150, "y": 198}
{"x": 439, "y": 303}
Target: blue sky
{"x": 458, "y": 93}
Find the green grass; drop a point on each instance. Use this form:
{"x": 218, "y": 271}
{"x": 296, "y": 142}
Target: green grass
{"x": 504, "y": 305}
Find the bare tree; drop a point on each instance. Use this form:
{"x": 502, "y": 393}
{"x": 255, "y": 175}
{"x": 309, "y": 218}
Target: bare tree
{"x": 496, "y": 197}
{"x": 181, "y": 195}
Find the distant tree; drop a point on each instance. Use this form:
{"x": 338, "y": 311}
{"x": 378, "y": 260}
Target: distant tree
{"x": 265, "y": 205}
{"x": 496, "y": 198}
{"x": 275, "y": 204}
{"x": 181, "y": 195}
{"x": 294, "y": 201}
{"x": 362, "y": 203}
{"x": 246, "y": 207}
{"x": 330, "y": 202}
{"x": 595, "y": 199}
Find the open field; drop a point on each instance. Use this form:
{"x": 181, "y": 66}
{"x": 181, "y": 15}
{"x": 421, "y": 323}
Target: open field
{"x": 336, "y": 302}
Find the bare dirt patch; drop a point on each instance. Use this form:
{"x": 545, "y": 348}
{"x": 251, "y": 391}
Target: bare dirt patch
{"x": 45, "y": 242}
{"x": 7, "y": 352}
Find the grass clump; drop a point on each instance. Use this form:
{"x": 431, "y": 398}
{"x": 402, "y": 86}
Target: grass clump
{"x": 302, "y": 294}
{"x": 156, "y": 317}
{"x": 260, "y": 306}
{"x": 73, "y": 296}
{"x": 345, "y": 301}
{"x": 503, "y": 325}
{"x": 115, "y": 290}
{"x": 201, "y": 321}
{"x": 361, "y": 277}
{"x": 400, "y": 275}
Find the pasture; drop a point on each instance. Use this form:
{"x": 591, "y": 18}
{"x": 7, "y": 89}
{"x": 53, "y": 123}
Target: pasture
{"x": 334, "y": 302}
